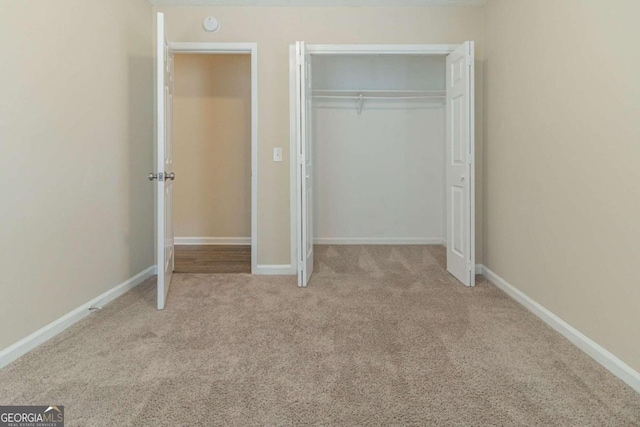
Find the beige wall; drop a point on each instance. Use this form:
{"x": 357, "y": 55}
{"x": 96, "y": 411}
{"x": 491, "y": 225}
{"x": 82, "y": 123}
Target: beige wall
{"x": 562, "y": 145}
{"x": 212, "y": 145}
{"x": 76, "y": 135}
{"x": 274, "y": 29}
{"x": 559, "y": 176}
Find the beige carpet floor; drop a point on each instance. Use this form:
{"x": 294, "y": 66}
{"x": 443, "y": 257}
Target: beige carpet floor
{"x": 382, "y": 336}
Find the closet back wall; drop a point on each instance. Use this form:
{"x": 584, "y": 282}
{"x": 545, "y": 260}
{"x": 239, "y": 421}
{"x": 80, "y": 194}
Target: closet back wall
{"x": 212, "y": 145}
{"x": 378, "y": 175}
{"x": 274, "y": 29}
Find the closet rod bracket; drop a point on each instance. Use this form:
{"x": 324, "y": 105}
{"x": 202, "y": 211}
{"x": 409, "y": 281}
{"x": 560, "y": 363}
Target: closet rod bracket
{"x": 360, "y": 103}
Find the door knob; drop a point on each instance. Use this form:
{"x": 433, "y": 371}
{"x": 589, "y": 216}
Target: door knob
{"x": 170, "y": 176}
{"x": 462, "y": 178}
{"x": 152, "y": 176}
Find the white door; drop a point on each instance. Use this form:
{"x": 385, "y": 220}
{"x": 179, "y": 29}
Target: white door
{"x": 164, "y": 164}
{"x": 460, "y": 171}
{"x": 304, "y": 165}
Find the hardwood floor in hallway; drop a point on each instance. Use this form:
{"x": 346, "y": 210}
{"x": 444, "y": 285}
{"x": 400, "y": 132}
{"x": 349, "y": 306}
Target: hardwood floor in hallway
{"x": 212, "y": 259}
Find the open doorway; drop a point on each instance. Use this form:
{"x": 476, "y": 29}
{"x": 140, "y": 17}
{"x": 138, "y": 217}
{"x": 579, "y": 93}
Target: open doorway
{"x": 212, "y": 158}
{"x": 384, "y": 143}
{"x": 165, "y": 175}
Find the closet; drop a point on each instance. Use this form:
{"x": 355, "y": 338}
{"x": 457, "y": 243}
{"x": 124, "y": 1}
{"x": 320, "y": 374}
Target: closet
{"x": 384, "y": 143}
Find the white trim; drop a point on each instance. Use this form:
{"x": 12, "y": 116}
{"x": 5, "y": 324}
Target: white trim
{"x": 381, "y": 49}
{"x": 616, "y": 366}
{"x": 378, "y": 241}
{"x": 49, "y": 331}
{"x": 293, "y": 158}
{"x": 323, "y": 3}
{"x": 212, "y": 48}
{"x": 252, "y": 49}
{"x": 254, "y": 158}
{"x": 229, "y": 241}
{"x": 472, "y": 154}
{"x": 275, "y": 270}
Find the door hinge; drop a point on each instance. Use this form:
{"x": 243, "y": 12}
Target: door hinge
{"x": 469, "y": 159}
{"x": 470, "y": 266}
{"x": 300, "y": 159}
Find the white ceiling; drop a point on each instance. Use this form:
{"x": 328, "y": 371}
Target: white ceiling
{"x": 321, "y": 3}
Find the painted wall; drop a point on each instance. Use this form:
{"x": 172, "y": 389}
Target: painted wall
{"x": 562, "y": 145}
{"x": 379, "y": 72}
{"x": 76, "y": 143}
{"x": 388, "y": 160}
{"x": 212, "y": 145}
{"x": 275, "y": 28}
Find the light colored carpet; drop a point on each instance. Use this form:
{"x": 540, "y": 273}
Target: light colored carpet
{"x": 382, "y": 336}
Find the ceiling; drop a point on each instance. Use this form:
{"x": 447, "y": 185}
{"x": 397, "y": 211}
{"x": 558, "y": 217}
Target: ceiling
{"x": 321, "y": 3}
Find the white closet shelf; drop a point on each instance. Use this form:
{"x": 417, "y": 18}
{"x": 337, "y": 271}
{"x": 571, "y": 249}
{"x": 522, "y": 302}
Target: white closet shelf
{"x": 363, "y": 95}
{"x": 379, "y": 94}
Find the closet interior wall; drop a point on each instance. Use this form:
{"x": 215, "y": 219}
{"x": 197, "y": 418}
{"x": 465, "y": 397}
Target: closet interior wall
{"x": 378, "y": 128}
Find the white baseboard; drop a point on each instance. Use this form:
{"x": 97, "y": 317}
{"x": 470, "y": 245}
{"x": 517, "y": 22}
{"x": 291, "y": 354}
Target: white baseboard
{"x": 275, "y": 270}
{"x": 378, "y": 241}
{"x": 584, "y": 343}
{"x": 47, "y": 332}
{"x": 212, "y": 240}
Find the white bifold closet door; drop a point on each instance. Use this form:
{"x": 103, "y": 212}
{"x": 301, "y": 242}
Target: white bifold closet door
{"x": 460, "y": 218}
{"x": 164, "y": 164}
{"x": 304, "y": 172}
{"x": 460, "y": 213}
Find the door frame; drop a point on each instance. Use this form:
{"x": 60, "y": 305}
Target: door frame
{"x": 238, "y": 48}
{"x": 374, "y": 49}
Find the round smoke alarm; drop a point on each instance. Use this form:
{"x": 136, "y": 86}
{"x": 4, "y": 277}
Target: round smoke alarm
{"x": 211, "y": 24}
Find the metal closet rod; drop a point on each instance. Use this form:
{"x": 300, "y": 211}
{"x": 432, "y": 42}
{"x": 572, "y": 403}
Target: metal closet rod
{"x": 375, "y": 91}
{"x": 380, "y": 90}
{"x": 397, "y": 95}
{"x": 378, "y": 97}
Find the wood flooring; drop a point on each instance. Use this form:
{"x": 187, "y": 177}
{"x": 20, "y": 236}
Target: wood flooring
{"x": 212, "y": 259}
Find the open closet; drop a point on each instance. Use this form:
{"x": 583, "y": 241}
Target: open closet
{"x": 383, "y": 137}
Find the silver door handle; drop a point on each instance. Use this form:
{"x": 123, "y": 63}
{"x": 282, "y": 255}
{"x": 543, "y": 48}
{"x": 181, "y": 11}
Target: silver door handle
{"x": 162, "y": 176}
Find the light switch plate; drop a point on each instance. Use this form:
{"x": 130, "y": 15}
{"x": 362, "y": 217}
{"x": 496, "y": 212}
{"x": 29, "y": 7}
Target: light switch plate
{"x": 277, "y": 154}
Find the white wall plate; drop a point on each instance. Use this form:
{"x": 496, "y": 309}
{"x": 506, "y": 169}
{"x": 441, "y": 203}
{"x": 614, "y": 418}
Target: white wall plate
{"x": 211, "y": 24}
